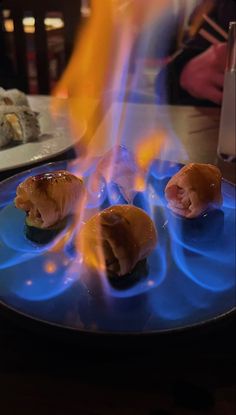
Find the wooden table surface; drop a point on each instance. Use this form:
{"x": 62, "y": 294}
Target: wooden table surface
{"x": 193, "y": 373}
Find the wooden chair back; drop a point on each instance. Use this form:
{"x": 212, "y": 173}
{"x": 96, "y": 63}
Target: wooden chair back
{"x": 71, "y": 11}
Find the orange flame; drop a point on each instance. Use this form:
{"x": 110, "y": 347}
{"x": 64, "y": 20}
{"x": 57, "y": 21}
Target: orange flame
{"x": 147, "y": 150}
{"x": 97, "y": 72}
{"x": 50, "y": 267}
{"x": 103, "y": 49}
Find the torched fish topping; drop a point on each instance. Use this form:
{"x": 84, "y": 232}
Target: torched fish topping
{"x": 117, "y": 238}
{"x": 48, "y": 198}
{"x": 118, "y": 166}
{"x": 194, "y": 189}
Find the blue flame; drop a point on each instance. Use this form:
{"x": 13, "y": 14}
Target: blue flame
{"x": 12, "y": 223}
{"x": 96, "y": 196}
{"x": 31, "y": 281}
{"x": 156, "y": 275}
{"x": 191, "y": 272}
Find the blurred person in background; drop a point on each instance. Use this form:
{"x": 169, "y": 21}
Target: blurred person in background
{"x": 196, "y": 76}
{"x": 154, "y": 42}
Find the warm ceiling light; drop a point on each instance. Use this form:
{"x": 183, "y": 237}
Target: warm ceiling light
{"x": 29, "y": 21}
{"x": 54, "y": 22}
{"x": 9, "y": 25}
{"x": 29, "y": 24}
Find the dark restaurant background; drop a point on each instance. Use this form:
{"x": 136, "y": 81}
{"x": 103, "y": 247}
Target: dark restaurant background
{"x": 56, "y": 29}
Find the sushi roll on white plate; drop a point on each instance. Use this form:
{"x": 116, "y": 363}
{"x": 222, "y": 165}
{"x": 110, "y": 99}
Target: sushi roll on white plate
{"x": 17, "y": 97}
{"x": 4, "y": 98}
{"x": 5, "y": 131}
{"x": 23, "y": 125}
{"x": 13, "y": 97}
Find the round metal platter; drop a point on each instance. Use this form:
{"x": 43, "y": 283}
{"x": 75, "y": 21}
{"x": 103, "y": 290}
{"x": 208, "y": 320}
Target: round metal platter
{"x": 187, "y": 281}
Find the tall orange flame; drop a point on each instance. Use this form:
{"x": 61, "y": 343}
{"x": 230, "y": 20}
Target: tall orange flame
{"x": 146, "y": 151}
{"x": 98, "y": 69}
{"x": 97, "y": 73}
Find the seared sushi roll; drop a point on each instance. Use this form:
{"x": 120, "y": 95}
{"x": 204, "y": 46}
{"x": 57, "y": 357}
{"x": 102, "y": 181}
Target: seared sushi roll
{"x": 118, "y": 166}
{"x": 23, "y": 125}
{"x": 195, "y": 189}
{"x": 49, "y": 201}
{"x": 116, "y": 239}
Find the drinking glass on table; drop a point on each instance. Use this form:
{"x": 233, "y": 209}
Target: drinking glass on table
{"x": 227, "y": 134}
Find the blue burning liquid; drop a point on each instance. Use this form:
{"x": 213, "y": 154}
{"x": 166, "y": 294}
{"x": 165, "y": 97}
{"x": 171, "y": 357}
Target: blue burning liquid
{"x": 191, "y": 274}
{"x": 31, "y": 280}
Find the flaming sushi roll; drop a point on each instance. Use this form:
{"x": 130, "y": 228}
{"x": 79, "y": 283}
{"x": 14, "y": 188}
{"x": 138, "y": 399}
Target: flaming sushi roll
{"x": 195, "y": 189}
{"x": 118, "y": 166}
{"x": 49, "y": 201}
{"x": 116, "y": 239}
{"x": 18, "y": 124}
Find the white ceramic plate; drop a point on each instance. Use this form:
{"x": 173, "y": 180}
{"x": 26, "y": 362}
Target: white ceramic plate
{"x": 55, "y": 139}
